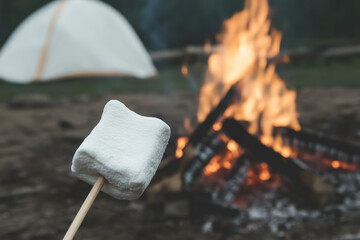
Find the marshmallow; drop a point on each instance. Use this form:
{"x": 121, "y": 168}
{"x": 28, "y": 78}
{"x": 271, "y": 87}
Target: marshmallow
{"x": 125, "y": 148}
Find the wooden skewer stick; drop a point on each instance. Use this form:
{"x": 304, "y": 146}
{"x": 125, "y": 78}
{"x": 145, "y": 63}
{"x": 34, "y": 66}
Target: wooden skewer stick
{"x": 84, "y": 208}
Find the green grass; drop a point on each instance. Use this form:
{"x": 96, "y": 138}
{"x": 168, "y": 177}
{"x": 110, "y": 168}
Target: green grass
{"x": 170, "y": 79}
{"x": 322, "y": 76}
{"x": 167, "y": 80}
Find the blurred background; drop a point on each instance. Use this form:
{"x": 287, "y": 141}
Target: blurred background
{"x": 301, "y": 22}
{"x": 44, "y": 123}
{"x": 304, "y": 25}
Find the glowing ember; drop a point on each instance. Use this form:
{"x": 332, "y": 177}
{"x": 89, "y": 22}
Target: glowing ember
{"x": 232, "y": 146}
{"x": 335, "y": 164}
{"x": 181, "y": 142}
{"x": 213, "y": 166}
{"x": 227, "y": 165}
{"x": 225, "y": 160}
{"x": 217, "y": 126}
{"x": 264, "y": 174}
{"x": 184, "y": 70}
{"x": 250, "y": 178}
{"x": 348, "y": 166}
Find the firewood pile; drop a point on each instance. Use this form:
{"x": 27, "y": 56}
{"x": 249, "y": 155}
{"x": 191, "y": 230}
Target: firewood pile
{"x": 229, "y": 179}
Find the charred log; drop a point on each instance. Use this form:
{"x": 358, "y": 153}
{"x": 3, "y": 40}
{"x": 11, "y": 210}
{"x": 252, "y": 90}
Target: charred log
{"x": 190, "y": 167}
{"x": 305, "y": 180}
{"x": 198, "y": 135}
{"x": 317, "y": 139}
{"x": 213, "y": 116}
{"x": 205, "y": 151}
{"x": 235, "y": 181}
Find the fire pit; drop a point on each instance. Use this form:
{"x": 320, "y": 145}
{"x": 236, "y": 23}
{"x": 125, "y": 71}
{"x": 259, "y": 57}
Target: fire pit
{"x": 248, "y": 164}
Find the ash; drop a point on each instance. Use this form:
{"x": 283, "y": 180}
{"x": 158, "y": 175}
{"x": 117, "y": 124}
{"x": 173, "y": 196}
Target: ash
{"x": 277, "y": 211}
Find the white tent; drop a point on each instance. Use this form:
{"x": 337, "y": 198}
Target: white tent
{"x": 69, "y": 38}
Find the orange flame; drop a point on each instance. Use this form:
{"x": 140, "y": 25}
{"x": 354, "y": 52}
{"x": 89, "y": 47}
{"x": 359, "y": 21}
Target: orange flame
{"x": 187, "y": 125}
{"x": 184, "y": 70}
{"x": 207, "y": 46}
{"x": 278, "y": 145}
{"x": 181, "y": 143}
{"x": 213, "y": 166}
{"x": 232, "y": 146}
{"x": 285, "y": 59}
{"x": 335, "y": 164}
{"x": 217, "y": 126}
{"x": 264, "y": 174}
{"x": 245, "y": 45}
{"x": 258, "y": 174}
{"x": 225, "y": 161}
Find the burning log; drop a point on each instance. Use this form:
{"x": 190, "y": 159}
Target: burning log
{"x": 305, "y": 179}
{"x": 191, "y": 166}
{"x": 234, "y": 182}
{"x": 205, "y": 150}
{"x": 330, "y": 154}
{"x": 213, "y": 116}
{"x": 330, "y": 143}
{"x": 169, "y": 177}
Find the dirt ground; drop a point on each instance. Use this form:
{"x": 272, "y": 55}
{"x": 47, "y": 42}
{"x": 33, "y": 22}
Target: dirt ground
{"x": 39, "y": 197}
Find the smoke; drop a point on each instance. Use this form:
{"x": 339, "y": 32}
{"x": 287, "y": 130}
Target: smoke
{"x": 154, "y": 29}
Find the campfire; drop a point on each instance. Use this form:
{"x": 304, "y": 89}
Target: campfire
{"x": 248, "y": 158}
